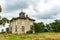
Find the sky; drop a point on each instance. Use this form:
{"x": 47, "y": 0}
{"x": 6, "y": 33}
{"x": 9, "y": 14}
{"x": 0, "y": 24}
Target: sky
{"x": 41, "y": 10}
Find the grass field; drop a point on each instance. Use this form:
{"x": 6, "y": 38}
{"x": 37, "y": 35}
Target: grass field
{"x": 38, "y": 36}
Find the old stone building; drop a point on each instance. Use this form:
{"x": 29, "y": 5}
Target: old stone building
{"x": 21, "y": 24}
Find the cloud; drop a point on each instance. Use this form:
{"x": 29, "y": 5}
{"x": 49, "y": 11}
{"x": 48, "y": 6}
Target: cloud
{"x": 47, "y": 9}
{"x": 12, "y": 5}
{"x": 48, "y": 14}
{"x": 39, "y": 9}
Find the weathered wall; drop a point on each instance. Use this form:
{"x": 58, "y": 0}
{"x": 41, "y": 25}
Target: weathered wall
{"x": 19, "y": 23}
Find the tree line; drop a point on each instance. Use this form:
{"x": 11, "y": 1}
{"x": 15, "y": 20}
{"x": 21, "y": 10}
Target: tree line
{"x": 51, "y": 27}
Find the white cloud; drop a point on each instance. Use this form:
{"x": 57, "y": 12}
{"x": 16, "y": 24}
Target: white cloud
{"x": 41, "y": 10}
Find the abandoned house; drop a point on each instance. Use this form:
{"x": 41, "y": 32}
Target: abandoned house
{"x": 21, "y": 24}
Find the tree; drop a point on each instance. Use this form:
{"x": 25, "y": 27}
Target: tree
{"x": 1, "y": 22}
{"x": 5, "y": 20}
{"x": 0, "y": 9}
{"x": 48, "y": 28}
{"x": 0, "y": 16}
{"x": 56, "y": 26}
{"x": 38, "y": 27}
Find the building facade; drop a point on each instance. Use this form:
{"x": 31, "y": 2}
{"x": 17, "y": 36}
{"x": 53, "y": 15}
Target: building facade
{"x": 21, "y": 24}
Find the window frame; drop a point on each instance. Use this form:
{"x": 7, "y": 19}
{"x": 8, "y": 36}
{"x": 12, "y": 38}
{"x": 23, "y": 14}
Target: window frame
{"x": 23, "y": 29}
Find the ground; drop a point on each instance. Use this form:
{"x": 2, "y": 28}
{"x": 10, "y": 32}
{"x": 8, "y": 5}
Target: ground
{"x": 38, "y": 36}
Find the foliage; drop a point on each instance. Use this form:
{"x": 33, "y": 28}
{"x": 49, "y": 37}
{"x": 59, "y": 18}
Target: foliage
{"x": 38, "y": 27}
{"x": 51, "y": 27}
{"x": 56, "y": 26}
{"x": 48, "y": 28}
{"x": 0, "y": 9}
{"x": 1, "y": 21}
{"x": 4, "y": 20}
{"x": 30, "y": 31}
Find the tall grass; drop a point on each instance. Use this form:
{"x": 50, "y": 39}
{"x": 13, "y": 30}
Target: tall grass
{"x": 38, "y": 36}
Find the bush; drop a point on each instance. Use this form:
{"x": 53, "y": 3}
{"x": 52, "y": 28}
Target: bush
{"x": 29, "y": 32}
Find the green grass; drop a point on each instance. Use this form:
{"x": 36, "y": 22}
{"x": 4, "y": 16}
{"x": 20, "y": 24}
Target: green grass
{"x": 38, "y": 36}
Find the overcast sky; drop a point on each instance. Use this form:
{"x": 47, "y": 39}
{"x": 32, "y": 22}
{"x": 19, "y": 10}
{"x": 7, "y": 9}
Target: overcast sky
{"x": 41, "y": 10}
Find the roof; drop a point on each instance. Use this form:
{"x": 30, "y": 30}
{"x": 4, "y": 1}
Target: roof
{"x": 22, "y": 18}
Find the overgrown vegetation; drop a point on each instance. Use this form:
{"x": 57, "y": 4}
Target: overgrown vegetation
{"x": 38, "y": 36}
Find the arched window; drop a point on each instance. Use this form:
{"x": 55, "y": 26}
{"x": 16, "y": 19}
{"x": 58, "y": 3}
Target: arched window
{"x": 15, "y": 28}
{"x": 23, "y": 29}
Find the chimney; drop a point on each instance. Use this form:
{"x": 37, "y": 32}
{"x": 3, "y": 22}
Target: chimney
{"x": 26, "y": 16}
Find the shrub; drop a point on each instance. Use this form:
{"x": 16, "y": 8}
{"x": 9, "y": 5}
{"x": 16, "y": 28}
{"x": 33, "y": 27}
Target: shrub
{"x": 29, "y": 32}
